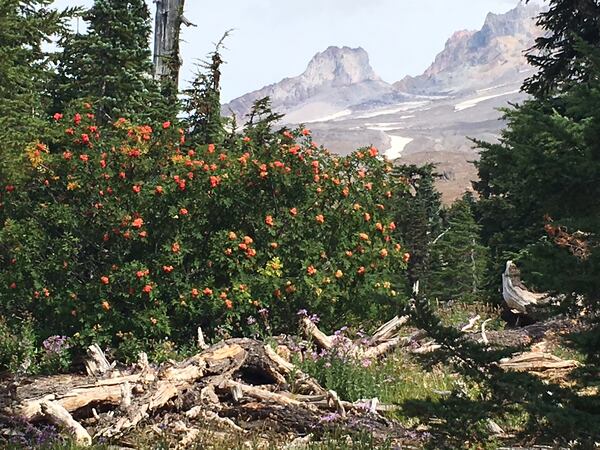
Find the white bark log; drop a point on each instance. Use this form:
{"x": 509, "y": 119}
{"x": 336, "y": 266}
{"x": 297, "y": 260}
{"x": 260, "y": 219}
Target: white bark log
{"x": 60, "y": 416}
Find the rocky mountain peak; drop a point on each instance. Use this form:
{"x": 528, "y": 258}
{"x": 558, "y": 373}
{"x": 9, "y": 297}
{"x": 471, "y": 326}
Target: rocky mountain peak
{"x": 496, "y": 50}
{"x": 339, "y": 66}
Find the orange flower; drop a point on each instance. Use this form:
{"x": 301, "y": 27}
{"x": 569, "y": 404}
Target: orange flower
{"x": 84, "y": 157}
{"x": 383, "y": 253}
{"x": 104, "y": 280}
{"x": 345, "y": 192}
{"x": 361, "y": 270}
{"x": 319, "y": 218}
{"x": 379, "y": 226}
{"x": 137, "y": 223}
{"x": 67, "y": 155}
{"x": 195, "y": 292}
{"x": 311, "y": 270}
{"x": 269, "y": 221}
{"x": 251, "y": 252}
{"x": 183, "y": 212}
{"x": 207, "y": 291}
{"x": 166, "y": 125}
{"x": 140, "y": 274}
{"x": 274, "y": 245}
{"x": 373, "y": 151}
{"x": 211, "y": 148}
{"x": 339, "y": 274}
{"x": 392, "y": 226}
{"x": 147, "y": 289}
{"x": 143, "y": 234}
{"x": 294, "y": 212}
{"x": 167, "y": 269}
{"x": 406, "y": 257}
{"x": 367, "y": 217}
{"x": 348, "y": 253}
{"x": 105, "y": 305}
{"x": 214, "y": 181}
{"x": 363, "y": 236}
{"x": 305, "y": 132}
{"x": 175, "y": 247}
{"x": 136, "y": 188}
{"x": 248, "y": 240}
{"x": 232, "y": 236}
{"x": 242, "y": 246}
{"x": 228, "y": 304}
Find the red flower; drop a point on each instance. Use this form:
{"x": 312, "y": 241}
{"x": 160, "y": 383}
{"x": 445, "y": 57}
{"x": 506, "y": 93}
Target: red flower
{"x": 305, "y": 132}
{"x": 228, "y": 304}
{"x": 175, "y": 247}
{"x": 207, "y": 291}
{"x": 159, "y": 190}
{"x": 57, "y": 116}
{"x": 147, "y": 289}
{"x": 195, "y": 292}
{"x": 406, "y": 257}
{"x": 67, "y": 155}
{"x": 269, "y": 221}
{"x": 77, "y": 119}
{"x": 214, "y": 181}
{"x": 311, "y": 270}
{"x": 166, "y": 125}
{"x": 140, "y": 274}
{"x": 143, "y": 234}
{"x": 70, "y": 131}
{"x": 167, "y": 269}
{"x": 373, "y": 151}
{"x": 85, "y": 138}
{"x": 13, "y": 285}
{"x": 293, "y": 212}
{"x": 183, "y": 212}
{"x": 104, "y": 280}
{"x": 320, "y": 218}
{"x": 136, "y": 188}
{"x": 181, "y": 185}
{"x": 211, "y": 148}
{"x": 246, "y": 139}
{"x": 84, "y": 157}
{"x": 122, "y": 175}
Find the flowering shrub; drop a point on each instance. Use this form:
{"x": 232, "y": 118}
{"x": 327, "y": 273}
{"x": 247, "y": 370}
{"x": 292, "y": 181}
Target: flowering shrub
{"x": 128, "y": 235}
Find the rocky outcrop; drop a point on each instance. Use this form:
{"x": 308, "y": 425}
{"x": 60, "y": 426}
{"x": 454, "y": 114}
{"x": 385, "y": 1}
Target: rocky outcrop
{"x": 474, "y": 60}
{"x": 334, "y": 79}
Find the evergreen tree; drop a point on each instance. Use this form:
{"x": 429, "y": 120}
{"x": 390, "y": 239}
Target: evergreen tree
{"x": 458, "y": 260}
{"x": 418, "y": 219}
{"x": 539, "y": 185}
{"x": 203, "y": 102}
{"x": 111, "y": 65}
{"x": 556, "y": 54}
{"x": 24, "y": 73}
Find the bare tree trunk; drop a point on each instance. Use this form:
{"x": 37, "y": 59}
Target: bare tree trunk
{"x": 167, "y": 24}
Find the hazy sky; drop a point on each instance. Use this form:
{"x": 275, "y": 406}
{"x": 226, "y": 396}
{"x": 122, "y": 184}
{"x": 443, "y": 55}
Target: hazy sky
{"x": 274, "y": 39}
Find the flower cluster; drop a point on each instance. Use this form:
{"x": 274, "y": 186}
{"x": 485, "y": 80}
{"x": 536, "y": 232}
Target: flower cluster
{"x": 127, "y": 230}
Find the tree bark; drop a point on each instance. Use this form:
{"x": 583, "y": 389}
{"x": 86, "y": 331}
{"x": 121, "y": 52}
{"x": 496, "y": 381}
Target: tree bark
{"x": 167, "y": 25}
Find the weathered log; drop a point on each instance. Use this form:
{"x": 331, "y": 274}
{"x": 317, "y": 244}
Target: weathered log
{"x": 96, "y": 364}
{"x": 167, "y": 24}
{"x": 536, "y": 362}
{"x": 58, "y": 415}
{"x": 311, "y": 330}
{"x": 515, "y": 294}
{"x": 388, "y": 330}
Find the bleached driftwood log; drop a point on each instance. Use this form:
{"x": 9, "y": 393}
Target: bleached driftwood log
{"x": 383, "y": 341}
{"x": 201, "y": 387}
{"x": 515, "y": 294}
{"x": 59, "y": 416}
{"x": 536, "y": 362}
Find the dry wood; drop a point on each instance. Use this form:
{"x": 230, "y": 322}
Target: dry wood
{"x": 58, "y": 415}
{"x": 536, "y": 361}
{"x": 96, "y": 364}
{"x": 469, "y": 326}
{"x": 515, "y": 294}
{"x": 311, "y": 330}
{"x": 388, "y": 330}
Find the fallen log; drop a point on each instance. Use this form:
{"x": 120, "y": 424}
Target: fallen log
{"x": 230, "y": 384}
{"x": 536, "y": 362}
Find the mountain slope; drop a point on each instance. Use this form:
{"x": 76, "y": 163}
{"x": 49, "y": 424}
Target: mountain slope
{"x": 335, "y": 79}
{"x": 478, "y": 59}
